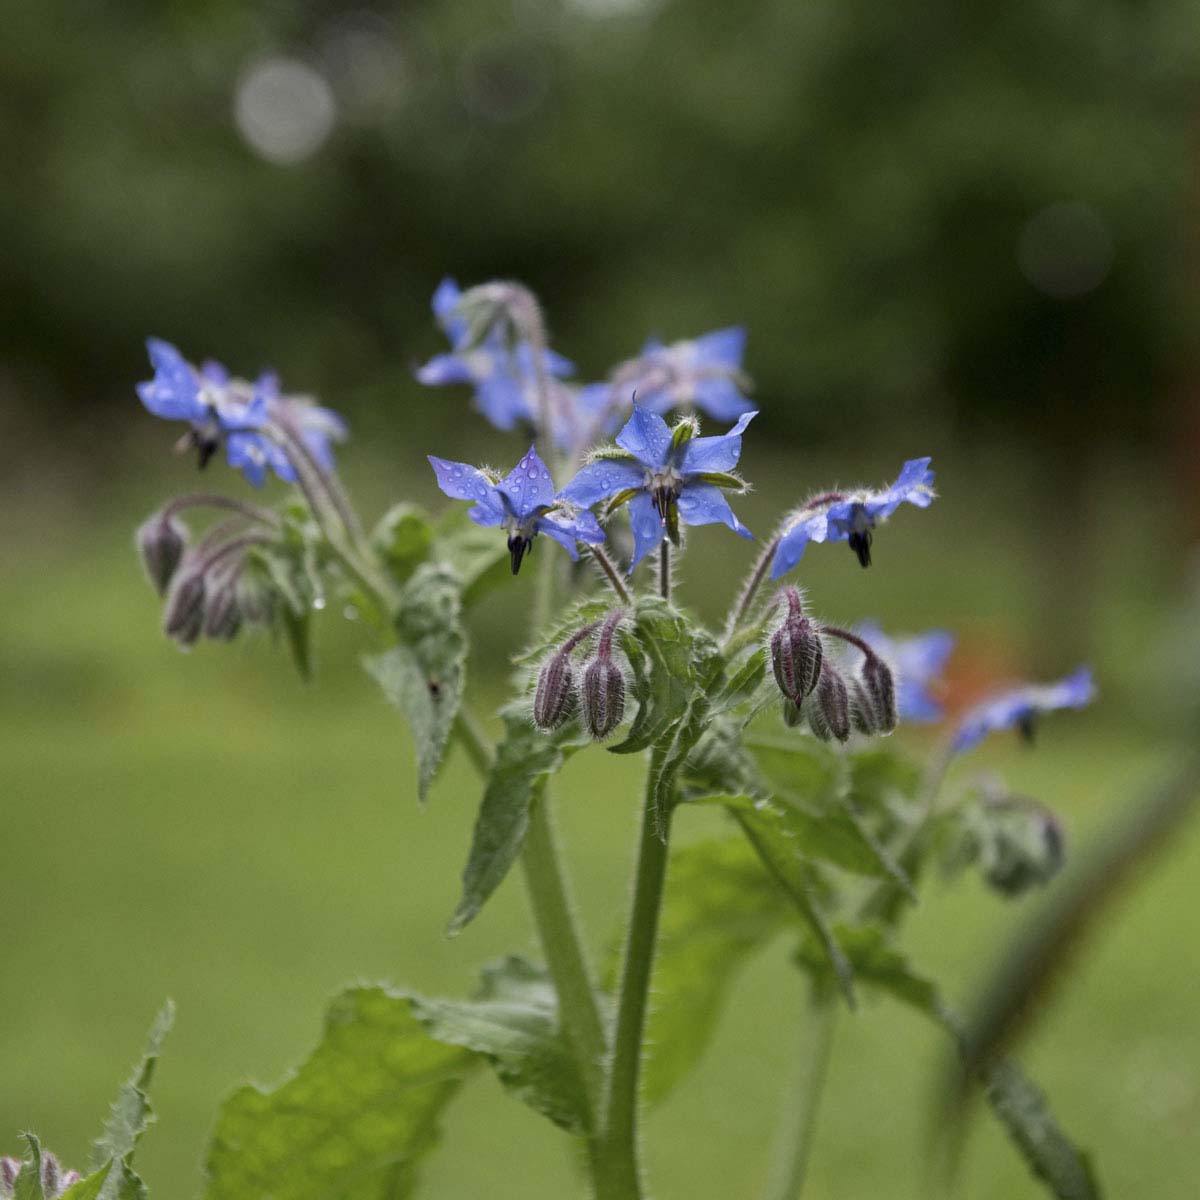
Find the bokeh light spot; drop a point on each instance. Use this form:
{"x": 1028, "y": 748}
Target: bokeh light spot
{"x": 284, "y": 109}
{"x": 1065, "y": 250}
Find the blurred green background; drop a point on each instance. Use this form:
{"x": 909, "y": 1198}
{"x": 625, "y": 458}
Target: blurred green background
{"x": 950, "y": 231}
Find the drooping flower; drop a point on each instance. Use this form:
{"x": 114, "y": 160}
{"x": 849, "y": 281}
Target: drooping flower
{"x": 501, "y": 371}
{"x": 702, "y": 373}
{"x": 851, "y": 516}
{"x": 918, "y": 662}
{"x": 523, "y": 504}
{"x": 250, "y": 419}
{"x": 666, "y": 476}
{"x": 1019, "y": 708}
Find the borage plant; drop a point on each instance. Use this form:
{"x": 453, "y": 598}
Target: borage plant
{"x": 776, "y": 718}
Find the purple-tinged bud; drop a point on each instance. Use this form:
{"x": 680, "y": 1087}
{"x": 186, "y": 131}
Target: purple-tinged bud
{"x": 880, "y": 688}
{"x": 602, "y": 697}
{"x": 51, "y": 1181}
{"x": 828, "y": 709}
{"x": 793, "y": 714}
{"x": 554, "y": 700}
{"x": 255, "y": 601}
{"x": 862, "y": 710}
{"x": 222, "y": 614}
{"x": 161, "y": 542}
{"x": 796, "y": 651}
{"x": 10, "y": 1168}
{"x": 183, "y": 617}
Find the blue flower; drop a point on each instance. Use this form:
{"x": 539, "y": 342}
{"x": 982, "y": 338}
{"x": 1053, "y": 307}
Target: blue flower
{"x": 851, "y": 516}
{"x": 666, "y": 476}
{"x": 703, "y": 373}
{"x": 916, "y": 662}
{"x": 224, "y": 410}
{"x": 503, "y": 376}
{"x": 1019, "y": 707}
{"x": 523, "y": 504}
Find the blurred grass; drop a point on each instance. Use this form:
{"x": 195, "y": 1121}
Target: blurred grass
{"x": 207, "y": 828}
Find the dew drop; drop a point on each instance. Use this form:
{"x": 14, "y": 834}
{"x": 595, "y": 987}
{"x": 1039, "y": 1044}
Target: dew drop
{"x": 350, "y": 612}
{"x": 318, "y": 603}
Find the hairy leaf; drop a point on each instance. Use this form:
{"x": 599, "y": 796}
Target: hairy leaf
{"x": 720, "y": 906}
{"x": 353, "y": 1122}
{"x": 29, "y": 1182}
{"x": 402, "y": 539}
{"x": 524, "y": 760}
{"x": 422, "y": 675}
{"x": 89, "y": 1187}
{"x": 513, "y": 1023}
{"x": 478, "y": 556}
{"x": 131, "y": 1113}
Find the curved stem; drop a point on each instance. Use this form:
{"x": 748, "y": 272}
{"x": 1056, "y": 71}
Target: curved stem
{"x": 799, "y": 1108}
{"x": 737, "y": 614}
{"x": 611, "y": 573}
{"x": 255, "y": 512}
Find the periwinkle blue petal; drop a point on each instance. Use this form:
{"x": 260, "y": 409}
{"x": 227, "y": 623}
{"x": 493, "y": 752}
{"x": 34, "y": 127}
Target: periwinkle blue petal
{"x": 647, "y": 525}
{"x": 174, "y": 392}
{"x": 721, "y": 348}
{"x": 720, "y": 399}
{"x": 720, "y": 453}
{"x": 443, "y": 369}
{"x": 705, "y": 504}
{"x": 528, "y": 486}
{"x": 463, "y": 482}
{"x": 918, "y": 662}
{"x": 445, "y": 305}
{"x": 603, "y": 478}
{"x": 646, "y": 437}
{"x": 810, "y": 527}
{"x": 1020, "y": 705}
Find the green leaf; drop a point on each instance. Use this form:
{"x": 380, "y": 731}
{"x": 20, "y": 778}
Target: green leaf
{"x": 90, "y": 1187}
{"x": 422, "y": 675}
{"x": 1020, "y": 1106}
{"x": 353, "y": 1122}
{"x": 29, "y": 1182}
{"x": 131, "y": 1113}
{"x": 720, "y": 907}
{"x": 297, "y": 631}
{"x": 403, "y": 539}
{"x": 513, "y": 1023}
{"x": 525, "y": 758}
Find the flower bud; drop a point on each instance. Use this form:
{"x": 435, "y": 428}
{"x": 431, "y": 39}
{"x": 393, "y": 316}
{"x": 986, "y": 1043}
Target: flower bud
{"x": 554, "y": 700}
{"x": 602, "y": 697}
{"x": 796, "y": 652}
{"x": 183, "y": 617}
{"x": 829, "y": 707}
{"x": 880, "y": 688}
{"x": 793, "y": 714}
{"x": 161, "y": 542}
{"x": 222, "y": 614}
{"x": 255, "y": 601}
{"x": 10, "y": 1168}
{"x": 862, "y": 709}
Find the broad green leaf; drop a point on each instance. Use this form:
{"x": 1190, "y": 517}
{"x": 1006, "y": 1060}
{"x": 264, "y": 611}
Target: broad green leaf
{"x": 402, "y": 539}
{"x": 90, "y": 1187}
{"x": 513, "y": 1023}
{"x": 422, "y": 675}
{"x": 744, "y": 681}
{"x": 29, "y": 1182}
{"x": 131, "y": 1114}
{"x": 353, "y": 1122}
{"x": 524, "y": 760}
{"x": 1020, "y": 1106}
{"x": 720, "y": 907}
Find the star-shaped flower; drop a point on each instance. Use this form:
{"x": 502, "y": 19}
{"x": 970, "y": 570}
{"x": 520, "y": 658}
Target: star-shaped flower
{"x": 917, "y": 662}
{"x": 523, "y": 504}
{"x": 1019, "y": 707}
{"x": 666, "y": 476}
{"x": 851, "y": 516}
{"x": 502, "y": 374}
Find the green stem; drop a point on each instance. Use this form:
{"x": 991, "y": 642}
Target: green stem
{"x": 745, "y": 600}
{"x": 617, "y": 1175}
{"x": 799, "y": 1108}
{"x": 664, "y": 569}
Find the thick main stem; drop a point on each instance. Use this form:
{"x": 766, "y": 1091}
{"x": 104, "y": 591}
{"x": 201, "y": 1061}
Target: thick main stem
{"x": 618, "y": 1175}
{"x": 799, "y": 1109}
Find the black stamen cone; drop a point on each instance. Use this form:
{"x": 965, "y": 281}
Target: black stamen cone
{"x": 518, "y": 547}
{"x": 860, "y": 543}
{"x": 1025, "y": 726}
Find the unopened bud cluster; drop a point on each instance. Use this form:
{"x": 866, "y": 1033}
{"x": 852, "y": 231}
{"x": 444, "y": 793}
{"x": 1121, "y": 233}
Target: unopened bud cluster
{"x": 54, "y": 1180}
{"x": 816, "y": 691}
{"x": 598, "y": 695}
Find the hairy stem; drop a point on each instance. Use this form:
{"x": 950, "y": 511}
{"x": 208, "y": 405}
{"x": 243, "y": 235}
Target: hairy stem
{"x": 618, "y": 1175}
{"x": 255, "y": 512}
{"x": 799, "y": 1107}
{"x": 611, "y": 574}
{"x": 745, "y": 600}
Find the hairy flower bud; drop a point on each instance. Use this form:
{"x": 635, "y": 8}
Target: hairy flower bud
{"x": 828, "y": 709}
{"x": 554, "y": 700}
{"x": 602, "y": 697}
{"x": 793, "y": 714}
{"x": 880, "y": 688}
{"x": 161, "y": 542}
{"x": 10, "y": 1168}
{"x": 255, "y": 600}
{"x": 222, "y": 614}
{"x": 796, "y": 652}
{"x": 183, "y": 617}
{"x": 862, "y": 709}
